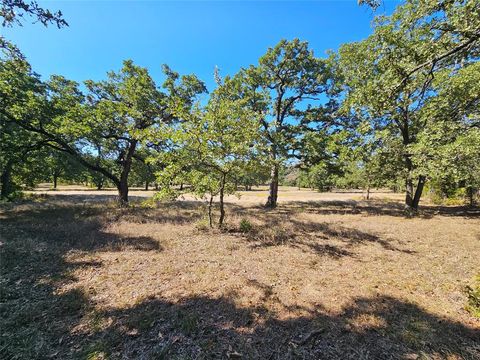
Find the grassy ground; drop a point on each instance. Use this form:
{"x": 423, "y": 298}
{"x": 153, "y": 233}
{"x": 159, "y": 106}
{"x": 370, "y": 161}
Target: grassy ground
{"x": 322, "y": 279}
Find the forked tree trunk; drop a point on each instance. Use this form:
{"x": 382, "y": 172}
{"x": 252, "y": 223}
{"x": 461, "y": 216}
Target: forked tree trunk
{"x": 273, "y": 189}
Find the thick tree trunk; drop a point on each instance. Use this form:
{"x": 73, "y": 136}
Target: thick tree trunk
{"x": 146, "y": 185}
{"x": 122, "y": 185}
{"x": 418, "y": 192}
{"x": 5, "y": 181}
{"x": 123, "y": 192}
{"x": 222, "y": 207}
{"x": 273, "y": 189}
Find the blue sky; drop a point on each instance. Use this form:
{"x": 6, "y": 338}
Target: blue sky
{"x": 189, "y": 36}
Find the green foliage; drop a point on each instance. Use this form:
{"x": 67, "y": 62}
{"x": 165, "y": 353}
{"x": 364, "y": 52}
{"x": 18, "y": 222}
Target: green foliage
{"x": 317, "y": 177}
{"x": 104, "y": 129}
{"x": 210, "y": 147}
{"x": 473, "y": 297}
{"x": 284, "y": 90}
{"x": 245, "y": 226}
{"x": 389, "y": 82}
{"x": 13, "y": 12}
{"x": 448, "y": 150}
{"x": 397, "y": 109}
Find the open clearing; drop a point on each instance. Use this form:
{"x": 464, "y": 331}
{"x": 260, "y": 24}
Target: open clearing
{"x": 323, "y": 276}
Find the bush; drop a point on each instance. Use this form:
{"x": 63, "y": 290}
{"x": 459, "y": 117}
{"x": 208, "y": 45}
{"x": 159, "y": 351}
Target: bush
{"x": 150, "y": 203}
{"x": 202, "y": 224}
{"x": 245, "y": 226}
{"x": 473, "y": 298}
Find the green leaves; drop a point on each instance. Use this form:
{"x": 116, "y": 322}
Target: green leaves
{"x": 211, "y": 146}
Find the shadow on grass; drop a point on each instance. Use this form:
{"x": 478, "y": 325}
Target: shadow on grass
{"x": 34, "y": 318}
{"x": 376, "y": 208}
{"x": 38, "y": 322}
{"x": 205, "y": 328}
{"x": 280, "y": 227}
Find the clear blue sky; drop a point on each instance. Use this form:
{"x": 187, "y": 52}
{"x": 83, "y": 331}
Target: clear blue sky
{"x": 190, "y": 36}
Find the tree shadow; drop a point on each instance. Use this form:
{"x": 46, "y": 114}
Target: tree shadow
{"x": 376, "y": 208}
{"x": 73, "y": 228}
{"x": 34, "y": 243}
{"x": 39, "y": 321}
{"x": 322, "y": 238}
{"x": 174, "y": 212}
{"x": 200, "y": 327}
{"x": 91, "y": 197}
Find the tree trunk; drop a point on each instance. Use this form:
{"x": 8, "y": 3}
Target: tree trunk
{"x": 146, "y": 185}
{"x": 210, "y": 203}
{"x": 273, "y": 189}
{"x": 55, "y": 179}
{"x": 367, "y": 188}
{"x": 181, "y": 186}
{"x": 222, "y": 207}
{"x": 122, "y": 185}
{"x": 123, "y": 192}
{"x": 418, "y": 192}
{"x": 470, "y": 195}
{"x": 5, "y": 181}
{"x": 409, "y": 183}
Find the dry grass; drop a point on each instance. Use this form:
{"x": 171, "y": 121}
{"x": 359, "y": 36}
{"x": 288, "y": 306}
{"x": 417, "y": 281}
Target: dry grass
{"x": 311, "y": 280}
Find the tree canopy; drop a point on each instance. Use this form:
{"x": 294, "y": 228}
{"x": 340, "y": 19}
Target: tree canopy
{"x": 397, "y": 109}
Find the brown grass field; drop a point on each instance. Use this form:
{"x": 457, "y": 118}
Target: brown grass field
{"x": 323, "y": 276}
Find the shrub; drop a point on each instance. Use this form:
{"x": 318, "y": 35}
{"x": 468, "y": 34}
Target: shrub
{"x": 202, "y": 224}
{"x": 245, "y": 226}
{"x": 150, "y": 203}
{"x": 473, "y": 298}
